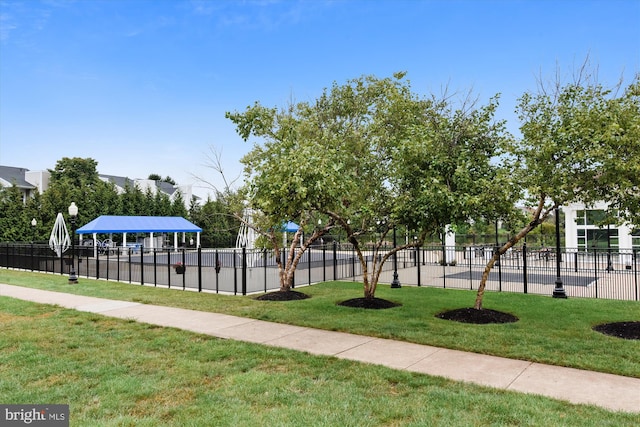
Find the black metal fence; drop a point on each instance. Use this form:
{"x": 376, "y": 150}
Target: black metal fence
{"x": 595, "y": 274}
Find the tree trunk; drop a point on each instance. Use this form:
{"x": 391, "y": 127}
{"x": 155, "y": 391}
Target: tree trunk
{"x": 538, "y": 218}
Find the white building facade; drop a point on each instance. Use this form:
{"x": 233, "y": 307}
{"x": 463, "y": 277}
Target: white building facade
{"x": 582, "y": 233}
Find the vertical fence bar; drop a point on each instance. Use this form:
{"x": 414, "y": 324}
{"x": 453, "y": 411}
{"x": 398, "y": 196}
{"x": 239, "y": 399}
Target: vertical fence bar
{"x": 155, "y": 267}
{"x": 199, "y": 269}
{"x": 595, "y": 254}
{"x": 524, "y": 267}
{"x": 97, "y": 265}
{"x": 443, "y": 263}
{"x": 309, "y": 263}
{"x": 417, "y": 262}
{"x": 141, "y": 265}
{"x": 335, "y": 261}
{"x": 324, "y": 263}
{"x": 184, "y": 273}
{"x": 244, "y": 270}
{"x": 235, "y": 273}
{"x": 353, "y": 263}
{"x": 217, "y": 260}
{"x": 264, "y": 262}
{"x": 118, "y": 267}
{"x": 635, "y": 270}
{"x": 168, "y": 269}
{"x": 471, "y": 250}
{"x": 129, "y": 265}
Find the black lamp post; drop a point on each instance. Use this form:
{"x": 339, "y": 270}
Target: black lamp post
{"x": 395, "y": 283}
{"x": 558, "y": 291}
{"x": 73, "y": 214}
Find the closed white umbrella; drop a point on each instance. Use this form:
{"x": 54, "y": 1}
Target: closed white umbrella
{"x": 59, "y": 241}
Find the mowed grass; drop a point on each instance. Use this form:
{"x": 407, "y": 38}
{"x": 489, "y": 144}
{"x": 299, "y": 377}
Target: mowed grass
{"x": 552, "y": 331}
{"x": 115, "y": 372}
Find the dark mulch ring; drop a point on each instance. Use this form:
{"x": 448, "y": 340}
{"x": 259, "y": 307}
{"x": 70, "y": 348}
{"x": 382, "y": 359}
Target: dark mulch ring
{"x": 626, "y": 330}
{"x": 372, "y": 303}
{"x": 479, "y": 317}
{"x": 283, "y": 296}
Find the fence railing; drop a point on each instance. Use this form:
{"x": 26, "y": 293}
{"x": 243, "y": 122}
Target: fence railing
{"x": 595, "y": 274}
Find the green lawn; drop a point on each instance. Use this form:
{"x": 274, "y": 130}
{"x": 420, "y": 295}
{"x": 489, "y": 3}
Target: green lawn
{"x": 115, "y": 372}
{"x": 552, "y": 331}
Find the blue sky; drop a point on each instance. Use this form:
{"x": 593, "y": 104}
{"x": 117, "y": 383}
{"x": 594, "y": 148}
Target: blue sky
{"x": 142, "y": 86}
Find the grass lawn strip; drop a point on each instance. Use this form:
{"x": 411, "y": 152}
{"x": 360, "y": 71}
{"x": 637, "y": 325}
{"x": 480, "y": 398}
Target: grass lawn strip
{"x": 550, "y": 331}
{"x": 117, "y": 372}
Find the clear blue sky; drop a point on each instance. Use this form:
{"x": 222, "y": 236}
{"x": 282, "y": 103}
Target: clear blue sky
{"x": 142, "y": 86}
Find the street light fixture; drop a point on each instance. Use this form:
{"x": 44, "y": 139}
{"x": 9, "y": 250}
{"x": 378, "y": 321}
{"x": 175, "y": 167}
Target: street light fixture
{"x": 73, "y": 214}
{"x": 33, "y": 228}
{"x": 558, "y": 291}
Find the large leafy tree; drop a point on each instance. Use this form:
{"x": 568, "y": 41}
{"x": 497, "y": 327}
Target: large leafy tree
{"x": 370, "y": 155}
{"x": 579, "y": 144}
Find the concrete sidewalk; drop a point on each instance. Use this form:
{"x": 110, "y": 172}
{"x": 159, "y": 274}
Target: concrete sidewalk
{"x": 612, "y": 392}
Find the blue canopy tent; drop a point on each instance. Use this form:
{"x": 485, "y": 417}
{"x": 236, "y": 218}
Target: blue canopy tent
{"x": 290, "y": 227}
{"x": 139, "y": 224}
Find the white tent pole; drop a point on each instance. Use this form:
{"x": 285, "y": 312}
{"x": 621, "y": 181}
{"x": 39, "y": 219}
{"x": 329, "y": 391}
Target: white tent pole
{"x": 198, "y": 238}
{"x": 175, "y": 241}
{"x": 95, "y": 245}
{"x": 151, "y": 245}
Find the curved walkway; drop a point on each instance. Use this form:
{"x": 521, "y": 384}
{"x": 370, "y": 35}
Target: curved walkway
{"x": 613, "y": 392}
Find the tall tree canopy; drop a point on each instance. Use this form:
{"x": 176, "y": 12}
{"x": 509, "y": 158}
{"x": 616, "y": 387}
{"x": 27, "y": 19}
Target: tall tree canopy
{"x": 370, "y": 154}
{"x": 579, "y": 144}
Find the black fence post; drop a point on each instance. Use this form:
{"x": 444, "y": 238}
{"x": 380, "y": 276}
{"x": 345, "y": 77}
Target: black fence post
{"x": 97, "y": 264}
{"x": 309, "y": 263}
{"x": 324, "y": 263}
{"x": 471, "y": 249}
{"x": 635, "y": 270}
{"x": 264, "y": 263}
{"x": 595, "y": 255}
{"x": 524, "y": 266}
{"x": 155, "y": 267}
{"x": 199, "y": 269}
{"x": 244, "y": 270}
{"x": 335, "y": 261}
{"x": 217, "y": 269}
{"x": 184, "y": 274}
{"x": 168, "y": 268}
{"x": 235, "y": 273}
{"x": 142, "y": 265}
{"x": 417, "y": 263}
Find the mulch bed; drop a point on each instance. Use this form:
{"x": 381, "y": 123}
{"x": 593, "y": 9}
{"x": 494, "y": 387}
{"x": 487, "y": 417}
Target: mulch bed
{"x": 625, "y": 330}
{"x": 283, "y": 296}
{"x": 371, "y": 303}
{"x": 479, "y": 317}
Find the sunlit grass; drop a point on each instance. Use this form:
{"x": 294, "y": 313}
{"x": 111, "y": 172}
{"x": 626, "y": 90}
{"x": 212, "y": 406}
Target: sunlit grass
{"x": 121, "y": 373}
{"x": 552, "y": 331}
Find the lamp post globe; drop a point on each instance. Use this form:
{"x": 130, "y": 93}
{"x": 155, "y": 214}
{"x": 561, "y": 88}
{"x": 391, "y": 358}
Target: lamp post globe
{"x": 73, "y": 214}
{"x": 33, "y": 228}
